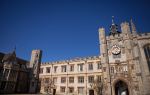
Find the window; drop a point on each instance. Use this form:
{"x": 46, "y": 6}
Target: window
{"x": 71, "y": 89}
{"x": 99, "y": 79}
{"x": 46, "y": 80}
{"x": 10, "y": 85}
{"x": 6, "y": 74}
{"x": 71, "y": 79}
{"x": 62, "y": 89}
{"x": 35, "y": 61}
{"x": 71, "y": 67}
{"x": 80, "y": 90}
{"x": 147, "y": 54}
{"x": 99, "y": 66}
{"x": 90, "y": 79}
{"x": 63, "y": 68}
{"x": 112, "y": 69}
{"x": 55, "y": 69}
{"x": 80, "y": 79}
{"x": 90, "y": 66}
{"x": 32, "y": 83}
{"x": 132, "y": 66}
{"x": 120, "y": 69}
{"x": 80, "y": 67}
{"x": 63, "y": 79}
{"x": 41, "y": 70}
{"x": 45, "y": 89}
{"x": 55, "y": 79}
{"x": 3, "y": 84}
{"x": 104, "y": 69}
{"x": 125, "y": 68}
{"x": 48, "y": 69}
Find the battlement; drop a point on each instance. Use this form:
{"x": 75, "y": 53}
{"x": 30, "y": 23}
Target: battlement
{"x": 77, "y": 59}
{"x": 143, "y": 36}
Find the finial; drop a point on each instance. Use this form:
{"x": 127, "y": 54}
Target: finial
{"x": 113, "y": 28}
{"x": 112, "y": 20}
{"x": 14, "y": 52}
{"x": 15, "y": 48}
{"x": 133, "y": 27}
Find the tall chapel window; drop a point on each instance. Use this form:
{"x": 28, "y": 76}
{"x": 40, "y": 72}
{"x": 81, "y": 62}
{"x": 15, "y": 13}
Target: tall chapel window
{"x": 147, "y": 54}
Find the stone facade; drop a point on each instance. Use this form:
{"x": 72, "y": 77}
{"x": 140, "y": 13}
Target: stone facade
{"x": 18, "y": 75}
{"x": 34, "y": 70}
{"x": 123, "y": 56}
{"x": 13, "y": 74}
{"x": 76, "y": 74}
{"x": 123, "y": 67}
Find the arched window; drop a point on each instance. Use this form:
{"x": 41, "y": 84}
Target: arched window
{"x": 147, "y": 54}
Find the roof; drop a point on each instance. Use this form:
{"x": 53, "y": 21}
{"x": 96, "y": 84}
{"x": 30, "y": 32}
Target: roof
{"x": 1, "y": 56}
{"x": 9, "y": 56}
{"x": 12, "y": 56}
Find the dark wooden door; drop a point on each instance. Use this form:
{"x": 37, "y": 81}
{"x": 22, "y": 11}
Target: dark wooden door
{"x": 54, "y": 91}
{"x": 91, "y": 92}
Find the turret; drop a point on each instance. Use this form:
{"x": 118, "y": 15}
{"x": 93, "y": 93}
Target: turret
{"x": 34, "y": 72}
{"x": 114, "y": 28}
{"x": 102, "y": 35}
{"x": 125, "y": 28}
{"x": 133, "y": 28}
{"x": 35, "y": 62}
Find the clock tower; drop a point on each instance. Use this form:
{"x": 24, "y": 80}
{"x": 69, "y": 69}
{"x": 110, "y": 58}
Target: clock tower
{"x": 119, "y": 59}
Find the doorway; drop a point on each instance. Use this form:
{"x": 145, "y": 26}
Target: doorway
{"x": 121, "y": 88}
{"x": 91, "y": 92}
{"x": 54, "y": 91}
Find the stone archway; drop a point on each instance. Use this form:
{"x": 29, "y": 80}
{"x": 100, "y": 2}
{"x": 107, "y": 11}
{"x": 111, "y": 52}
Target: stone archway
{"x": 91, "y": 92}
{"x": 121, "y": 88}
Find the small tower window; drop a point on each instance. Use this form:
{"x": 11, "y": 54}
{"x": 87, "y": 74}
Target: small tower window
{"x": 147, "y": 54}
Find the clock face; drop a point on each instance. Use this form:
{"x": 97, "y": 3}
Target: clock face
{"x": 115, "y": 49}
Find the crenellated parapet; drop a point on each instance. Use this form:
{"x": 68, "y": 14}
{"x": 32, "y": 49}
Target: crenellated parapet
{"x": 77, "y": 59}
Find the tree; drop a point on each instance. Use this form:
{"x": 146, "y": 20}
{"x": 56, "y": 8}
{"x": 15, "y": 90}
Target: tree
{"x": 97, "y": 85}
{"x": 48, "y": 85}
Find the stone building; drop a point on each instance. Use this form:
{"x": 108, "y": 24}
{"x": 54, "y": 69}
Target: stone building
{"x": 18, "y": 75}
{"x": 13, "y": 74}
{"x": 71, "y": 77}
{"x": 123, "y": 67}
{"x": 34, "y": 67}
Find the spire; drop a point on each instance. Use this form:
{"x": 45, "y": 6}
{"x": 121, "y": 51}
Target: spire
{"x": 15, "y": 48}
{"x": 133, "y": 28}
{"x": 113, "y": 28}
{"x": 14, "y": 51}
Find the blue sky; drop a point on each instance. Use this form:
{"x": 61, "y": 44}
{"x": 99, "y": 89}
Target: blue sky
{"x": 64, "y": 29}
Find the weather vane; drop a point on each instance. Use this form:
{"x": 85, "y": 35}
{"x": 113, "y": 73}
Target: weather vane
{"x": 112, "y": 19}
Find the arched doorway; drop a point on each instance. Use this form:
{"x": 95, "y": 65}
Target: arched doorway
{"x": 91, "y": 92}
{"x": 121, "y": 88}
